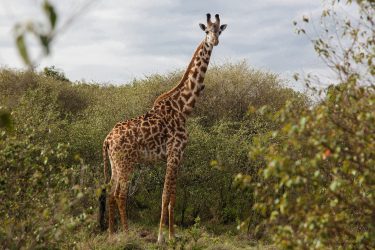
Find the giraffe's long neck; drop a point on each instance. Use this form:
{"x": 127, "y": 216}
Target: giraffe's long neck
{"x": 184, "y": 95}
{"x": 193, "y": 83}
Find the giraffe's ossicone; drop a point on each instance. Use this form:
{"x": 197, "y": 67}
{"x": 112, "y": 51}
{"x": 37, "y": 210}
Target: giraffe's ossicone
{"x": 159, "y": 134}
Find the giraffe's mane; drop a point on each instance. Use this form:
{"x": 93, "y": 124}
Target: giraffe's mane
{"x": 184, "y": 78}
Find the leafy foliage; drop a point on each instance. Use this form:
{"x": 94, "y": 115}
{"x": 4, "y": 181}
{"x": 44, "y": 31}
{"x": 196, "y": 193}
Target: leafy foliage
{"x": 317, "y": 186}
{"x": 55, "y": 73}
{"x": 35, "y": 211}
{"x": 315, "y": 183}
{"x": 55, "y": 151}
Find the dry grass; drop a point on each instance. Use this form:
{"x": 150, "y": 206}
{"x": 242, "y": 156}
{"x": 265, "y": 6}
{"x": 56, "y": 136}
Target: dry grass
{"x": 146, "y": 238}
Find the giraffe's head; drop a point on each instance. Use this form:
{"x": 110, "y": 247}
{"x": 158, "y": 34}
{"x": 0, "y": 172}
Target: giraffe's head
{"x": 213, "y": 30}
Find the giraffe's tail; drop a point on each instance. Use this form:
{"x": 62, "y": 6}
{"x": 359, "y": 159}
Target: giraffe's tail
{"x": 102, "y": 197}
{"x": 105, "y": 161}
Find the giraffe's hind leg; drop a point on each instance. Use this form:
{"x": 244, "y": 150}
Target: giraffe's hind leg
{"x": 111, "y": 212}
{"x": 111, "y": 197}
{"x": 122, "y": 193}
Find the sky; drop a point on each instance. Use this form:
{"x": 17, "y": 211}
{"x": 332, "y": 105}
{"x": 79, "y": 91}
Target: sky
{"x": 116, "y": 41}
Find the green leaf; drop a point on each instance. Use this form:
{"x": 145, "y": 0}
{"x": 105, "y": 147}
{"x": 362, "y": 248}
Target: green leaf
{"x": 45, "y": 41}
{"x": 22, "y": 49}
{"x": 51, "y": 13}
{"x": 302, "y": 122}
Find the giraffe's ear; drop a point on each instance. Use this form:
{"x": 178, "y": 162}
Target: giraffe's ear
{"x": 203, "y": 27}
{"x": 223, "y": 27}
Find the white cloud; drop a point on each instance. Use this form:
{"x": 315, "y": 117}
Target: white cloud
{"x": 115, "y": 41}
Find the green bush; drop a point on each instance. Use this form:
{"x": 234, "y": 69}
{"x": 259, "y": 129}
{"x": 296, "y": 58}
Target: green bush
{"x": 55, "y": 74}
{"x": 317, "y": 188}
{"x": 39, "y": 193}
{"x": 57, "y": 112}
{"x": 315, "y": 182}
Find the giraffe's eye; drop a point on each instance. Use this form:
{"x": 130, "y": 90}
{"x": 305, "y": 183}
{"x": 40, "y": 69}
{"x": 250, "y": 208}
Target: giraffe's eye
{"x": 206, "y": 32}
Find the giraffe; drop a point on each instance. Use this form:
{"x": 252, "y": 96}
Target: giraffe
{"x": 160, "y": 134}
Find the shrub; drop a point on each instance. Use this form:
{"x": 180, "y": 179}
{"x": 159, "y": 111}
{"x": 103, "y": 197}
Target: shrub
{"x": 39, "y": 194}
{"x": 55, "y": 74}
{"x": 80, "y": 115}
{"x": 315, "y": 187}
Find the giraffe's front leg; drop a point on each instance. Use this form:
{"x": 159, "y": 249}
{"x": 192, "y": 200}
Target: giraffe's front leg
{"x": 172, "y": 202}
{"x": 169, "y": 195}
{"x": 164, "y": 210}
{"x": 163, "y": 215}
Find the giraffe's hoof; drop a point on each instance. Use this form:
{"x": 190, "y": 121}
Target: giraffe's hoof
{"x": 171, "y": 237}
{"x": 161, "y": 238}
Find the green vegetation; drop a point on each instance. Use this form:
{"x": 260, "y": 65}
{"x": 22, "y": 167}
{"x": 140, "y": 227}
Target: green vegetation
{"x": 316, "y": 188}
{"x": 51, "y": 166}
{"x": 315, "y": 184}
